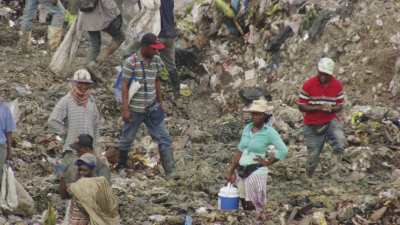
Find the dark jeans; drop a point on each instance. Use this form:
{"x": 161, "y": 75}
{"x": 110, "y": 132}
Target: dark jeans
{"x": 315, "y": 138}
{"x": 114, "y": 29}
{"x": 154, "y": 121}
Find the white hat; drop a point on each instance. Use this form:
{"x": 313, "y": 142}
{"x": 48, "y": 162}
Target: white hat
{"x": 259, "y": 105}
{"x": 83, "y": 76}
{"x": 326, "y": 65}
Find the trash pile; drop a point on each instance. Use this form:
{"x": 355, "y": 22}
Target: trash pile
{"x": 230, "y": 52}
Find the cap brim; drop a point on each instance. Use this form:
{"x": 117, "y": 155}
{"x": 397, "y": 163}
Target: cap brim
{"x": 81, "y": 81}
{"x": 158, "y": 45}
{"x": 81, "y": 162}
{"x": 75, "y": 146}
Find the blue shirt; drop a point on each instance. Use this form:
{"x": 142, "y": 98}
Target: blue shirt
{"x": 167, "y": 19}
{"x": 7, "y": 123}
{"x": 256, "y": 144}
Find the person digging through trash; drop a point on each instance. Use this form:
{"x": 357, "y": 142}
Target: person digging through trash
{"x": 83, "y": 145}
{"x": 92, "y": 199}
{"x": 97, "y": 16}
{"x": 76, "y": 113}
{"x": 7, "y": 127}
{"x": 167, "y": 36}
{"x": 145, "y": 106}
{"x": 55, "y": 29}
{"x": 249, "y": 166}
{"x": 320, "y": 98}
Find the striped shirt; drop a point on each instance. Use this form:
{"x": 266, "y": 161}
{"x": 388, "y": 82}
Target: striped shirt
{"x": 315, "y": 93}
{"x": 69, "y": 120}
{"x": 135, "y": 66}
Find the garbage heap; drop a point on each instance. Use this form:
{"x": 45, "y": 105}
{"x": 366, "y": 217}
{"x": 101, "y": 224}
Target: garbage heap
{"x": 228, "y": 54}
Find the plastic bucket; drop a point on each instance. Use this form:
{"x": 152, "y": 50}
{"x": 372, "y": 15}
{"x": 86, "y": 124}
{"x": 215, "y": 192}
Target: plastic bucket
{"x": 228, "y": 198}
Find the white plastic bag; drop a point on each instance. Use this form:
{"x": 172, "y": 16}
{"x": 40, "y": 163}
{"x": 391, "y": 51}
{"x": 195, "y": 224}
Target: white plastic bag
{"x": 135, "y": 86}
{"x": 8, "y": 199}
{"x": 146, "y": 19}
{"x": 65, "y": 53}
{"x": 13, "y": 197}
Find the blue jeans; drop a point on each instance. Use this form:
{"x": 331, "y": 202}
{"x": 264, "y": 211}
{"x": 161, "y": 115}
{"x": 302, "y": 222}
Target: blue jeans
{"x": 57, "y": 12}
{"x": 156, "y": 127}
{"x": 315, "y": 138}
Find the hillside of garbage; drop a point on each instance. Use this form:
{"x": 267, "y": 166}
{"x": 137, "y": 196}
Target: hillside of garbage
{"x": 228, "y": 53}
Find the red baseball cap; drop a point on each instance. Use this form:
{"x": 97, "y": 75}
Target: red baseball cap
{"x": 151, "y": 40}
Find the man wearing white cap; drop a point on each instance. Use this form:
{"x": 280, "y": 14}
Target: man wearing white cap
{"x": 320, "y": 99}
{"x": 76, "y": 113}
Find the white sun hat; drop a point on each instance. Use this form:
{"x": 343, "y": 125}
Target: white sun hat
{"x": 82, "y": 76}
{"x": 326, "y": 65}
{"x": 259, "y": 105}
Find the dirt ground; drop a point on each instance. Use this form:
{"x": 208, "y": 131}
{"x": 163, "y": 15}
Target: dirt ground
{"x": 206, "y": 129}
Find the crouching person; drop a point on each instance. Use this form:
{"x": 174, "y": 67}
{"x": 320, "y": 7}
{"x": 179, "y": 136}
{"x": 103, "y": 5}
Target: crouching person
{"x": 249, "y": 166}
{"x": 92, "y": 200}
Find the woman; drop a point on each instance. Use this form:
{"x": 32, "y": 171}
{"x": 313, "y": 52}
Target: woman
{"x": 250, "y": 162}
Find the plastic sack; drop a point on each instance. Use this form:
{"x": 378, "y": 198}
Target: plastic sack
{"x": 65, "y": 53}
{"x": 146, "y": 19}
{"x": 134, "y": 86}
{"x": 13, "y": 197}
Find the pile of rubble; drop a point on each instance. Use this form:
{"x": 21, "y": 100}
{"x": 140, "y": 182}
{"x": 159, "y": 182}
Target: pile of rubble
{"x": 269, "y": 44}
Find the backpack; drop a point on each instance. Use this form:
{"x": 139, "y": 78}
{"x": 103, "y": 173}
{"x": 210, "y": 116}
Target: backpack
{"x": 87, "y": 5}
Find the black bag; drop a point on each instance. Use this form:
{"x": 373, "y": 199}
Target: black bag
{"x": 87, "y": 5}
{"x": 245, "y": 171}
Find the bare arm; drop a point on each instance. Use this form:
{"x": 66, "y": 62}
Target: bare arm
{"x": 125, "y": 94}
{"x": 125, "y": 101}
{"x": 63, "y": 188}
{"x": 234, "y": 162}
{"x": 158, "y": 90}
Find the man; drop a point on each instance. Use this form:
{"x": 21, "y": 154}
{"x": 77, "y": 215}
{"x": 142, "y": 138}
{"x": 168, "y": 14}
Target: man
{"x": 145, "y": 106}
{"x": 7, "y": 126}
{"x": 320, "y": 99}
{"x": 92, "y": 199}
{"x": 76, "y": 113}
{"x": 104, "y": 17}
{"x": 167, "y": 36}
{"x": 55, "y": 29}
{"x": 83, "y": 145}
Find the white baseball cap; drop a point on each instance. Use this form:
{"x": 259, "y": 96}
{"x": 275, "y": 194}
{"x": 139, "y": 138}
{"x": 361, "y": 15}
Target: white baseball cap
{"x": 326, "y": 65}
{"x": 83, "y": 76}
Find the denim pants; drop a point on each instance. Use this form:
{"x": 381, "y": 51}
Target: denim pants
{"x": 31, "y": 6}
{"x": 156, "y": 127}
{"x": 114, "y": 30}
{"x": 317, "y": 135}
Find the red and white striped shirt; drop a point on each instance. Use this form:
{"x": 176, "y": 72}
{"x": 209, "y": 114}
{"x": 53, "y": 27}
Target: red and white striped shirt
{"x": 315, "y": 93}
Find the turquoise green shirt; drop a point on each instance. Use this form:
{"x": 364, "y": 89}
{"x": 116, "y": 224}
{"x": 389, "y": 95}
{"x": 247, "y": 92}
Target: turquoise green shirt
{"x": 256, "y": 144}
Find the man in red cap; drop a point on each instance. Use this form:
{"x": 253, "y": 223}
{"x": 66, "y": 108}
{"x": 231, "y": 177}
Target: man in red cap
{"x": 145, "y": 105}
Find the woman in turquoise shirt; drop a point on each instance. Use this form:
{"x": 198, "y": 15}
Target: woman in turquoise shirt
{"x": 260, "y": 146}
